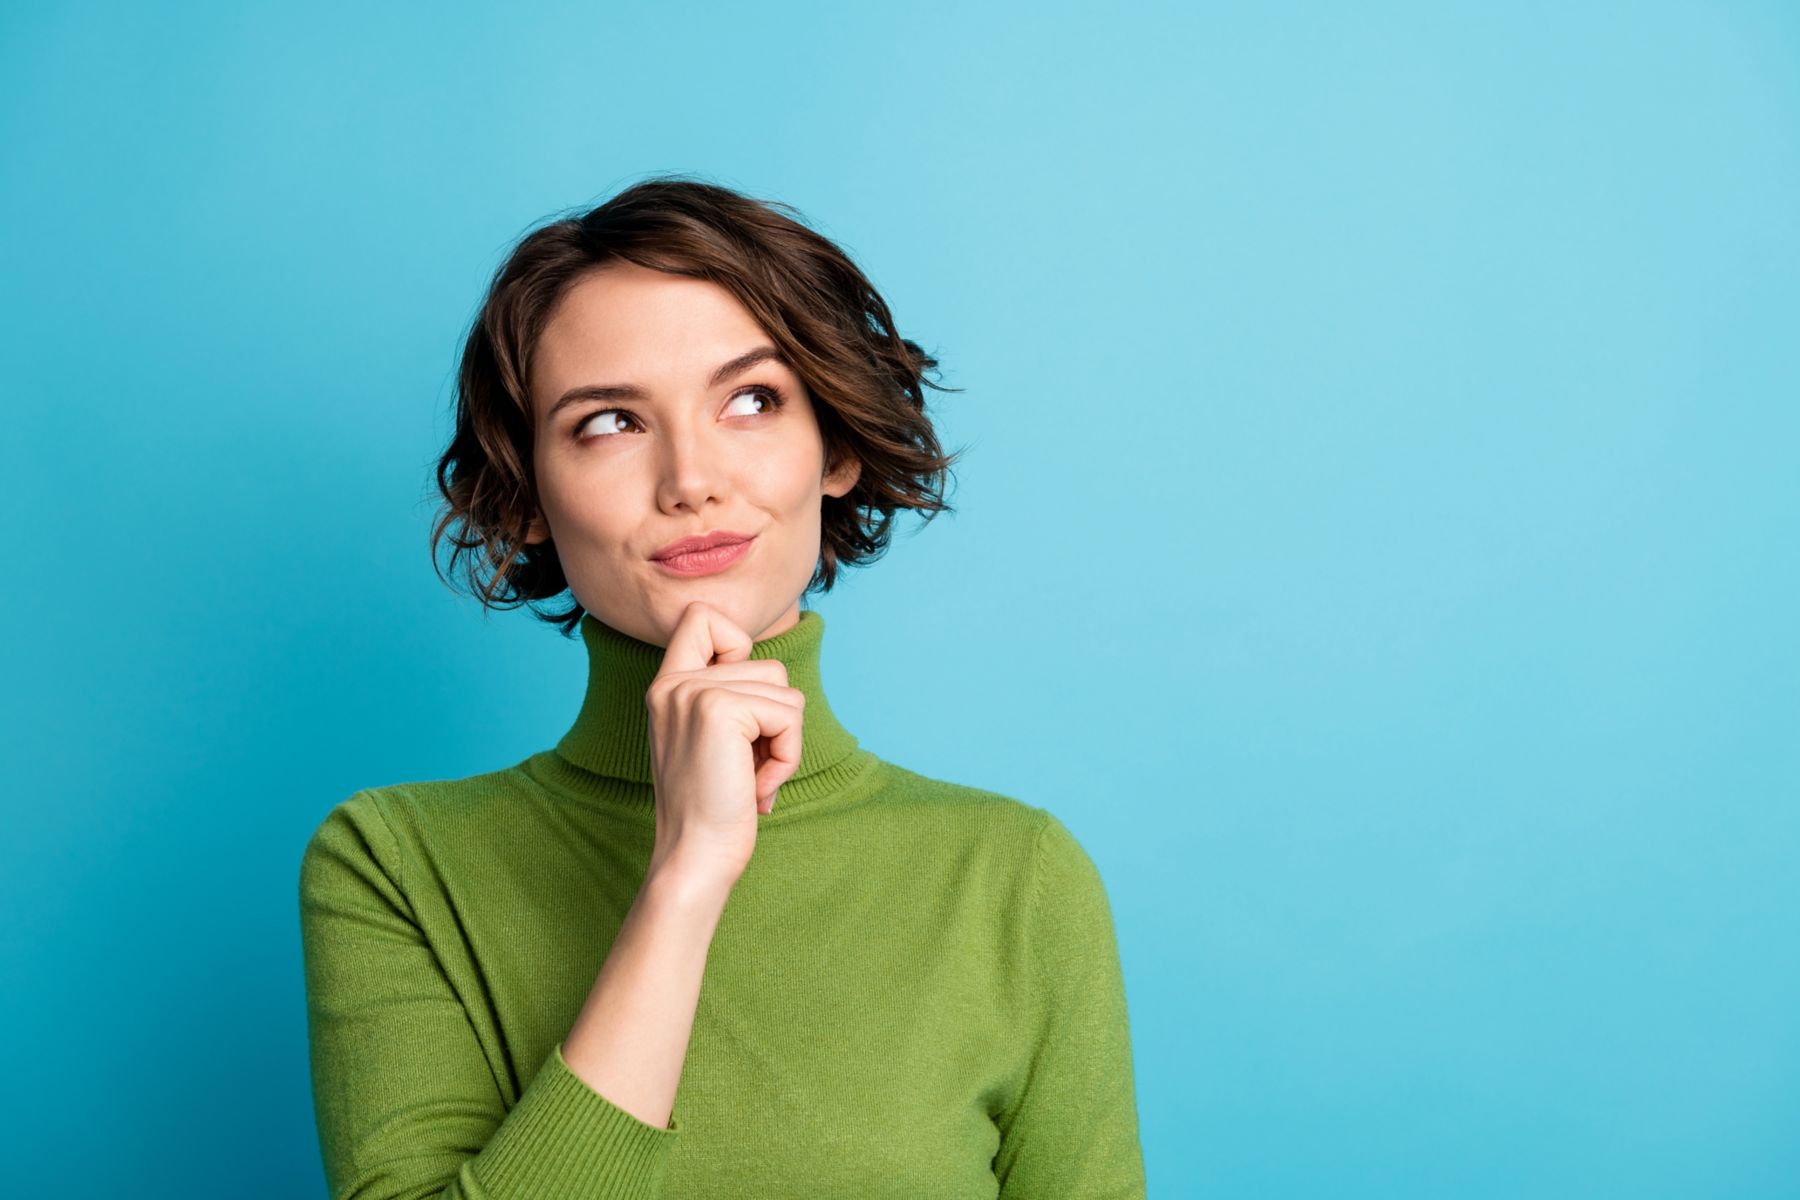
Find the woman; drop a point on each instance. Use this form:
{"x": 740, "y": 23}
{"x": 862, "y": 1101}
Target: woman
{"x": 573, "y": 977}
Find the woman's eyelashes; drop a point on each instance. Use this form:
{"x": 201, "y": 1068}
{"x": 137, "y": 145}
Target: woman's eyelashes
{"x": 584, "y": 428}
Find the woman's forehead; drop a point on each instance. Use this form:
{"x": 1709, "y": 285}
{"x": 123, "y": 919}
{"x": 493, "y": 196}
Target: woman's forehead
{"x": 672, "y": 332}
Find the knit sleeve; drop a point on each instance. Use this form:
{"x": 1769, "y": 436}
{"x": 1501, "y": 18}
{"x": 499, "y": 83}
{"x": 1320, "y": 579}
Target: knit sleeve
{"x": 406, "y": 1101}
{"x": 1072, "y": 1131}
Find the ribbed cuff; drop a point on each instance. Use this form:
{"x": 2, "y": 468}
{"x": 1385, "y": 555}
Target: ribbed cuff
{"x": 566, "y": 1140}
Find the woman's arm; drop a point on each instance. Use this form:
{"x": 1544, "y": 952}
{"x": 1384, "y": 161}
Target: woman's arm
{"x": 631, "y": 1038}
{"x": 710, "y": 723}
{"x": 1072, "y": 1131}
{"x": 406, "y": 1099}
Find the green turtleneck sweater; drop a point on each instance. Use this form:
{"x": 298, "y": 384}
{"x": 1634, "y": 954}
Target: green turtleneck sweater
{"x": 913, "y": 990}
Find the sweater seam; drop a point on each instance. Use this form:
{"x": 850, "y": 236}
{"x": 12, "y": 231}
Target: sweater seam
{"x": 1037, "y": 904}
{"x": 394, "y": 856}
{"x": 388, "y": 859}
{"x": 1011, "y": 1111}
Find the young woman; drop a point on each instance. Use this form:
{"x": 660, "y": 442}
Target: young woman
{"x": 707, "y": 945}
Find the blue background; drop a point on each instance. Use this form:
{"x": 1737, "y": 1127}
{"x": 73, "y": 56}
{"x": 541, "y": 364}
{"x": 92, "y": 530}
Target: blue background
{"x": 1377, "y": 540}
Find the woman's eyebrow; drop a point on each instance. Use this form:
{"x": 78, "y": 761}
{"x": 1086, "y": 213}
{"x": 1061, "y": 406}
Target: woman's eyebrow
{"x": 631, "y": 391}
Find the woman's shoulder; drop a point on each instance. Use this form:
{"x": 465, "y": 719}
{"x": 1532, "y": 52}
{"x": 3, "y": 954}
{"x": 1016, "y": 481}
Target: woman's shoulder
{"x": 375, "y": 821}
{"x": 1011, "y": 836}
{"x": 994, "y": 811}
{"x": 394, "y": 799}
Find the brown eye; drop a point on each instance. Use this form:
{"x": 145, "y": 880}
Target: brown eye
{"x": 762, "y": 392}
{"x": 584, "y": 427}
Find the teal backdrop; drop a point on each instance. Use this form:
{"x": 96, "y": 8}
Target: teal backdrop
{"x": 1377, "y": 539}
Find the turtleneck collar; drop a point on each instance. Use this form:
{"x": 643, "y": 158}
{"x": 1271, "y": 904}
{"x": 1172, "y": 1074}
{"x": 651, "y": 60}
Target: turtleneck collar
{"x": 607, "y": 750}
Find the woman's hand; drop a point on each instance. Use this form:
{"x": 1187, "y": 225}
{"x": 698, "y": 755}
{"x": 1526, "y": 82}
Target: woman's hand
{"x": 724, "y": 735}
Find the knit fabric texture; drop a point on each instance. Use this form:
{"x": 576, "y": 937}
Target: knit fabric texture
{"x": 914, "y": 989}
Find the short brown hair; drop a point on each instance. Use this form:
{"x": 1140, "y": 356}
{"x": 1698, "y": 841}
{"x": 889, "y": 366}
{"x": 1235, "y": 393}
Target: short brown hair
{"x": 866, "y": 381}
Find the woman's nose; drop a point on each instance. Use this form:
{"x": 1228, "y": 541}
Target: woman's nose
{"x": 691, "y": 470}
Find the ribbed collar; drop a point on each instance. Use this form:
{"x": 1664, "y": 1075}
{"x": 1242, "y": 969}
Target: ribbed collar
{"x": 606, "y": 752}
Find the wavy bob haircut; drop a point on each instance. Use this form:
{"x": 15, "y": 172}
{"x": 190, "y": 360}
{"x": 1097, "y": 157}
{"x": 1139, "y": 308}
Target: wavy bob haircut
{"x": 866, "y": 381}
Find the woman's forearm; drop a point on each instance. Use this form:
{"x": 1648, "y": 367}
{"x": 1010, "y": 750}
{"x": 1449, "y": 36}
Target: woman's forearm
{"x": 631, "y": 1037}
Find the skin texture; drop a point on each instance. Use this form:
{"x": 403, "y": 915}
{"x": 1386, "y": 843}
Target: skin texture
{"x": 690, "y": 458}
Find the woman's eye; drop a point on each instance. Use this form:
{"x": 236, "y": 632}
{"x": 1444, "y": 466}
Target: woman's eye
{"x": 595, "y": 426}
{"x": 760, "y": 392}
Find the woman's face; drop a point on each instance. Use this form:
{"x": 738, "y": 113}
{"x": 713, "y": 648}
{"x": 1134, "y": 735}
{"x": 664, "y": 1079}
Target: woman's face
{"x": 644, "y": 436}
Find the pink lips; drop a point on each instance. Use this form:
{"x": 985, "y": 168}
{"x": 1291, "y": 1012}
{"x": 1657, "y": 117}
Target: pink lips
{"x": 705, "y": 561}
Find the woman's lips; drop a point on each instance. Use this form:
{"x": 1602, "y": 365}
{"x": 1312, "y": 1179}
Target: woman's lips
{"x": 705, "y": 562}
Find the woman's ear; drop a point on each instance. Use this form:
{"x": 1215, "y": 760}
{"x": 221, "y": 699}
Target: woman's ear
{"x": 841, "y": 478}
{"x": 537, "y": 531}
